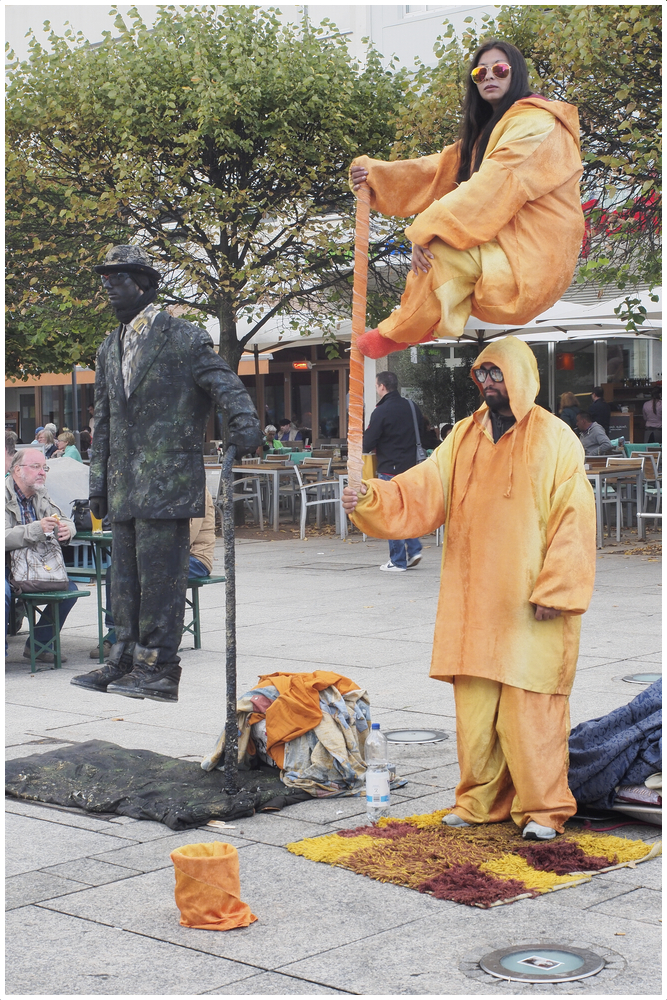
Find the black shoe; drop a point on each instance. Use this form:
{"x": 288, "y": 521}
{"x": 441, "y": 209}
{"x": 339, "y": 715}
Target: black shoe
{"x": 118, "y": 665}
{"x": 149, "y": 679}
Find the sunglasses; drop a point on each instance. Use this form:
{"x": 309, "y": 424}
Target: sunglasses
{"x": 115, "y": 277}
{"x": 481, "y": 374}
{"x": 499, "y": 70}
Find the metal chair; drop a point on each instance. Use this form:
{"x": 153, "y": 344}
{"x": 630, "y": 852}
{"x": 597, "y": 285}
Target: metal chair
{"x": 247, "y": 489}
{"x": 311, "y": 494}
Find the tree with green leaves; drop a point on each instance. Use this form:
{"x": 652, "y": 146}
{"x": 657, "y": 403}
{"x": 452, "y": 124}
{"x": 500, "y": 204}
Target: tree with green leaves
{"x": 444, "y": 390}
{"x": 220, "y": 140}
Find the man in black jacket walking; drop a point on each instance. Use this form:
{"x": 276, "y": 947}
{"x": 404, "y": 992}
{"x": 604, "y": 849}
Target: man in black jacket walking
{"x": 391, "y": 432}
{"x": 156, "y": 378}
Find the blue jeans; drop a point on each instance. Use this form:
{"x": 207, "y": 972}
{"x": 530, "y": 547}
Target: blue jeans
{"x": 195, "y": 568}
{"x": 401, "y": 549}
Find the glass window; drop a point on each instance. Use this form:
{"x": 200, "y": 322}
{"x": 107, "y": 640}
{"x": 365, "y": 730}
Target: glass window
{"x": 274, "y": 398}
{"x": 302, "y": 410}
{"x": 541, "y": 352}
{"x": 627, "y": 359}
{"x": 51, "y": 406}
{"x": 328, "y": 404}
{"x": 575, "y": 366}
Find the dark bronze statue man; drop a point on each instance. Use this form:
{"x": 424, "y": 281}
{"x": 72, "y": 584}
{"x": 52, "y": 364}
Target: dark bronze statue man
{"x": 156, "y": 378}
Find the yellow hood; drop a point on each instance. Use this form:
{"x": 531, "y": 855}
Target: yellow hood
{"x": 519, "y": 367}
{"x": 567, "y": 114}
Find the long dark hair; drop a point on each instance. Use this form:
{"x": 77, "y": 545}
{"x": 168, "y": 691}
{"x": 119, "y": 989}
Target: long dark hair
{"x": 479, "y": 117}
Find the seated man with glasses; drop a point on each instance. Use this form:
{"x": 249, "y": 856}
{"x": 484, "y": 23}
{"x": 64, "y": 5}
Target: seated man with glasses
{"x": 29, "y": 517}
{"x": 509, "y": 486}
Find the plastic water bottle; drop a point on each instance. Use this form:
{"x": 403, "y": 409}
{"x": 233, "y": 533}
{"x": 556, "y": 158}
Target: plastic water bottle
{"x": 377, "y": 774}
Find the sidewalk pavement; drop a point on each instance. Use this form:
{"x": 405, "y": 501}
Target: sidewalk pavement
{"x": 90, "y": 898}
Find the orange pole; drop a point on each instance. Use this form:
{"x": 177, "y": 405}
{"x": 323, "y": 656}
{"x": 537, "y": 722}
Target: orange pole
{"x": 355, "y": 419}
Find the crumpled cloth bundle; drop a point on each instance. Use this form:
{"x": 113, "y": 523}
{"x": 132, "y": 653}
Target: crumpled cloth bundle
{"x": 316, "y": 728}
{"x": 208, "y": 887}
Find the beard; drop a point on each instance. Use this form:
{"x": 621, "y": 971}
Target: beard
{"x": 495, "y": 401}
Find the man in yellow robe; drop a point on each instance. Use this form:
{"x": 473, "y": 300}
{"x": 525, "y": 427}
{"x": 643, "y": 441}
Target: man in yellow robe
{"x": 518, "y": 567}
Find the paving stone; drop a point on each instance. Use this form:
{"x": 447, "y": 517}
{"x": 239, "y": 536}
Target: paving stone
{"x": 90, "y": 871}
{"x": 280, "y": 888}
{"x": 150, "y": 855}
{"x": 273, "y": 984}
{"x": 34, "y": 844}
{"x": 640, "y": 904}
{"x": 20, "y": 890}
{"x": 76, "y": 957}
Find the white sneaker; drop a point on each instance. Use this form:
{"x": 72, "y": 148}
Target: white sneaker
{"x": 451, "y": 819}
{"x": 414, "y": 560}
{"x": 389, "y": 567}
{"x": 533, "y": 831}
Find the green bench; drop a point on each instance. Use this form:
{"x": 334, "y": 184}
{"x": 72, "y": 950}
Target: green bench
{"x": 54, "y": 598}
{"x": 195, "y": 583}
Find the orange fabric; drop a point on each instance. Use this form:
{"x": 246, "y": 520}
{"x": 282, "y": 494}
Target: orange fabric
{"x": 208, "y": 887}
{"x": 513, "y": 754}
{"x": 297, "y": 710}
{"x": 519, "y": 521}
{"x": 523, "y": 205}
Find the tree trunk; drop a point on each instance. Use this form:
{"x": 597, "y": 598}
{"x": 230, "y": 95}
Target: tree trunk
{"x": 230, "y": 348}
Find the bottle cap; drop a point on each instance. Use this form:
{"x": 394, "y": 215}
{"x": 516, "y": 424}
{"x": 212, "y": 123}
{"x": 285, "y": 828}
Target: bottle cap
{"x": 375, "y": 725}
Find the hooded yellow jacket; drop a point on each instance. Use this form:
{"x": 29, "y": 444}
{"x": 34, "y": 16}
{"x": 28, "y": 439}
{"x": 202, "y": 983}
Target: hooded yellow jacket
{"x": 524, "y": 199}
{"x": 519, "y": 521}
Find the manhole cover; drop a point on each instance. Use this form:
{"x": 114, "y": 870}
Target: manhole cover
{"x": 539, "y": 963}
{"x": 642, "y": 678}
{"x": 416, "y": 736}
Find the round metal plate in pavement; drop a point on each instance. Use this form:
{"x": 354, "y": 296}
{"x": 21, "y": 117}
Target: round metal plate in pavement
{"x": 416, "y": 736}
{"x": 642, "y": 678}
{"x": 542, "y": 963}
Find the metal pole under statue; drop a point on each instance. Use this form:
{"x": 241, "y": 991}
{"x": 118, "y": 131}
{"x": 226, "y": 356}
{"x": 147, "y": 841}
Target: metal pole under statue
{"x": 355, "y": 420}
{"x": 231, "y": 764}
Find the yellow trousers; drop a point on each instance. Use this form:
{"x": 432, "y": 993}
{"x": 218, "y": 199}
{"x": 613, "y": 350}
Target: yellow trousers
{"x": 439, "y": 302}
{"x": 513, "y": 754}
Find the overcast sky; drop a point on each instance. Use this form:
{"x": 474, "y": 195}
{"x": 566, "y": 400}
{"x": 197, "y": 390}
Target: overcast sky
{"x": 90, "y": 18}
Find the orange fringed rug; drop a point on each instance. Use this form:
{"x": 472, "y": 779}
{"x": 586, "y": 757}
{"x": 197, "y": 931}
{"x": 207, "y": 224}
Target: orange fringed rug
{"x": 479, "y": 866}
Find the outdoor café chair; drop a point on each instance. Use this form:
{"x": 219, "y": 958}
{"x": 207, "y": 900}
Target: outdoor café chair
{"x": 314, "y": 493}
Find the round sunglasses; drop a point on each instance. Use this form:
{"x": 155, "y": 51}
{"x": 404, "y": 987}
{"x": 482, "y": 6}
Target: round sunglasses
{"x": 481, "y": 374}
{"x": 499, "y": 70}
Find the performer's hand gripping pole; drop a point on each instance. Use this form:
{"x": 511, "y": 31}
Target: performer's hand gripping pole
{"x": 230, "y": 767}
{"x": 355, "y": 419}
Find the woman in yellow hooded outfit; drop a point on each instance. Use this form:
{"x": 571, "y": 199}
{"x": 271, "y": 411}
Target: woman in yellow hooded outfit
{"x": 500, "y": 223}
{"x": 519, "y": 519}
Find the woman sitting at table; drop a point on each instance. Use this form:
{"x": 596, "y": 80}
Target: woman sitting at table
{"x": 270, "y": 440}
{"x": 66, "y": 445}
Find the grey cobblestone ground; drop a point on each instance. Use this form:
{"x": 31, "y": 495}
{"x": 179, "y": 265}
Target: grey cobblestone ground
{"x": 90, "y": 898}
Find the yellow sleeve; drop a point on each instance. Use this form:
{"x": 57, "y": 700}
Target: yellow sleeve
{"x": 529, "y": 155}
{"x": 410, "y": 505}
{"x": 405, "y": 187}
{"x": 568, "y": 573}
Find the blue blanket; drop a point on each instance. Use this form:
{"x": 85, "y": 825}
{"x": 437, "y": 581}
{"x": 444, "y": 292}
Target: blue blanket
{"x": 621, "y": 748}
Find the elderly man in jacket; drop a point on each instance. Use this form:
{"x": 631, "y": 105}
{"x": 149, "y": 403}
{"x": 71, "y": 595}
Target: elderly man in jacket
{"x": 509, "y": 485}
{"x": 156, "y": 379}
{"x": 31, "y": 516}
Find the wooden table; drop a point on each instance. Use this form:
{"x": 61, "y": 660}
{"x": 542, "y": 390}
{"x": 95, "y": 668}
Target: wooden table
{"x": 599, "y": 477}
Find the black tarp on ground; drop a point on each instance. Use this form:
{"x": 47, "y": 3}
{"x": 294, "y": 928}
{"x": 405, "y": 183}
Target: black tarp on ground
{"x": 102, "y": 777}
